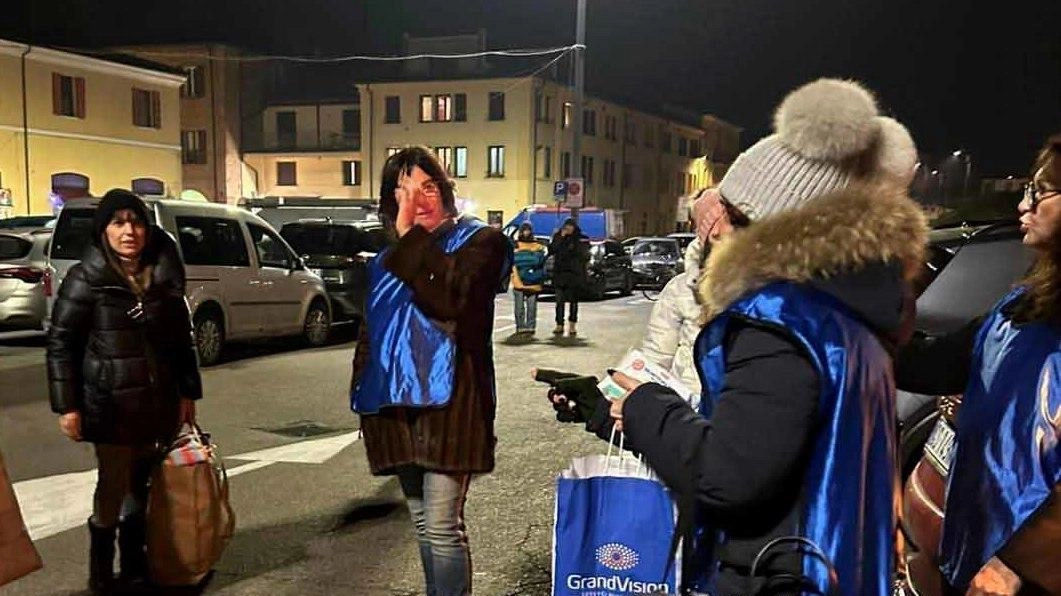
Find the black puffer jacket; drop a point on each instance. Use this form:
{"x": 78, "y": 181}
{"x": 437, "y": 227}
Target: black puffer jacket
{"x": 125, "y": 375}
{"x": 570, "y": 256}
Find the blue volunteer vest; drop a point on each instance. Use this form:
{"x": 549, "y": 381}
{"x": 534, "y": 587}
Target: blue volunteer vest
{"x": 1007, "y": 458}
{"x": 851, "y": 480}
{"x": 412, "y": 361}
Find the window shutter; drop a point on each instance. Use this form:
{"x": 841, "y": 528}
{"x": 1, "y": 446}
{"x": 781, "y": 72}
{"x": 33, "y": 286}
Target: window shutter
{"x": 79, "y": 97}
{"x": 460, "y": 107}
{"x": 57, "y": 93}
{"x": 156, "y": 109}
{"x": 137, "y": 117}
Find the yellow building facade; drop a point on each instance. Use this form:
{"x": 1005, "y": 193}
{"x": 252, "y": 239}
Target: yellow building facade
{"x": 81, "y": 125}
{"x": 507, "y": 140}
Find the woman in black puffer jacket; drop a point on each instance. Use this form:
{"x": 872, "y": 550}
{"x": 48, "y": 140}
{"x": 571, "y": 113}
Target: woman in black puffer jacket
{"x": 122, "y": 371}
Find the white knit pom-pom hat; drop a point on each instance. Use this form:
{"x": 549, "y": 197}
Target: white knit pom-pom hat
{"x": 828, "y": 134}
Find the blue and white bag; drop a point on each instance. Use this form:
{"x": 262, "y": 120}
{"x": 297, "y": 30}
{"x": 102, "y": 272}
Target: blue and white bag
{"x": 613, "y": 530}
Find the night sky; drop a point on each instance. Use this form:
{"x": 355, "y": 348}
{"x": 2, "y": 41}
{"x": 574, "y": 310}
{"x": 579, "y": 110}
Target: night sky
{"x": 981, "y": 76}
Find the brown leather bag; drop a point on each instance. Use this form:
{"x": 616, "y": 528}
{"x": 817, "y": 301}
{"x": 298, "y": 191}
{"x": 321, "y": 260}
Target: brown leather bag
{"x": 18, "y": 557}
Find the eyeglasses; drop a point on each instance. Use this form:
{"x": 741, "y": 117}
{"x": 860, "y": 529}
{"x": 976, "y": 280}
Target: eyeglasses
{"x": 1035, "y": 195}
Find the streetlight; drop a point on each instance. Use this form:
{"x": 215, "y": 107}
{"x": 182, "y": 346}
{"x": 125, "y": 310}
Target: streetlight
{"x": 968, "y": 170}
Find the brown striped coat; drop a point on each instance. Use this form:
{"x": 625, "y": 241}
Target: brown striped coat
{"x": 458, "y": 291}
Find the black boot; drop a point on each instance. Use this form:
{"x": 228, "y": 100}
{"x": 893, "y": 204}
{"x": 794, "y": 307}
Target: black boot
{"x": 101, "y": 559}
{"x": 132, "y": 548}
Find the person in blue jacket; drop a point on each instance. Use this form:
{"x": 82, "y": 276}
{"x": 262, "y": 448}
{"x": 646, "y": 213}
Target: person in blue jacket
{"x": 1002, "y": 517}
{"x": 528, "y": 273}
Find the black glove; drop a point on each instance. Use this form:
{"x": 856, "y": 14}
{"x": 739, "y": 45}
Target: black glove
{"x": 574, "y": 397}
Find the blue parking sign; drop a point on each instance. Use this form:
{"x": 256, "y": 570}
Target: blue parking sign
{"x": 560, "y": 189}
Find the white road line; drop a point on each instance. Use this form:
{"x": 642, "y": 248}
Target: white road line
{"x": 504, "y": 329}
{"x": 505, "y": 318}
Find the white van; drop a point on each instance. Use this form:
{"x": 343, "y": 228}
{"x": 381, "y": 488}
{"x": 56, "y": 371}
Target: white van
{"x": 244, "y": 281}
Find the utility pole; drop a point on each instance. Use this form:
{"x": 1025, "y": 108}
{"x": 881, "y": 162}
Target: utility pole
{"x": 580, "y": 90}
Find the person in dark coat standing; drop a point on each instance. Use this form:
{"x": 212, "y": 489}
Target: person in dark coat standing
{"x": 570, "y": 250}
{"x": 122, "y": 371}
{"x": 423, "y": 373}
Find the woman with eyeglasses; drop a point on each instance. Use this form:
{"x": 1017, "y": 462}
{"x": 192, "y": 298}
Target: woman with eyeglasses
{"x": 423, "y": 373}
{"x": 1002, "y": 518}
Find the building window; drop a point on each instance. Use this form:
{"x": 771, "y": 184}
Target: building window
{"x": 589, "y": 122}
{"x": 497, "y": 106}
{"x": 628, "y": 175}
{"x": 286, "y": 129}
{"x": 694, "y": 148}
{"x": 460, "y": 107}
{"x": 68, "y": 96}
{"x": 547, "y": 162}
{"x": 286, "y": 173}
{"x": 351, "y": 123}
{"x": 587, "y": 169}
{"x": 427, "y": 108}
{"x": 445, "y": 157}
{"x": 195, "y": 82}
{"x": 568, "y": 109}
{"x": 148, "y": 186}
{"x": 630, "y": 134}
{"x": 609, "y": 173}
{"x": 460, "y": 162}
{"x": 496, "y": 161}
{"x": 193, "y": 146}
{"x": 443, "y": 108}
{"x": 147, "y": 108}
{"x": 665, "y": 142}
{"x": 393, "y": 150}
{"x": 683, "y": 146}
{"x": 352, "y": 173}
{"x": 544, "y": 108}
{"x": 393, "y": 108}
{"x": 565, "y": 164}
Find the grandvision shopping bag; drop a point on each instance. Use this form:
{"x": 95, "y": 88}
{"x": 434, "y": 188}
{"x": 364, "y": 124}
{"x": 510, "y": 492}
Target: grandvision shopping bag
{"x": 613, "y": 530}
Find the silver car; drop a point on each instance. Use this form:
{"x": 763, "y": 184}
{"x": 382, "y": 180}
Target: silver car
{"x": 243, "y": 280}
{"x": 24, "y": 278}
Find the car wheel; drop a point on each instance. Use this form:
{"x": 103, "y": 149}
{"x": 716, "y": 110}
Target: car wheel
{"x": 628, "y": 285}
{"x": 209, "y": 338}
{"x": 318, "y": 325}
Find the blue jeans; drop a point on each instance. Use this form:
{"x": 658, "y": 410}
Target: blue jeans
{"x": 436, "y": 504}
{"x": 526, "y": 310}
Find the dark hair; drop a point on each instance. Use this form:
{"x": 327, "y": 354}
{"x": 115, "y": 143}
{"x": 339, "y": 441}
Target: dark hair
{"x": 403, "y": 162}
{"x": 1043, "y": 302}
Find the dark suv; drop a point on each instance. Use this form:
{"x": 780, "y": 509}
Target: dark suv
{"x": 338, "y": 252}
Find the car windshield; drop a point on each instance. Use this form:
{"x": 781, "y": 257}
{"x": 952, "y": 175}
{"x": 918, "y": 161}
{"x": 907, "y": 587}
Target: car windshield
{"x": 656, "y": 248}
{"x": 309, "y": 239}
{"x": 13, "y": 247}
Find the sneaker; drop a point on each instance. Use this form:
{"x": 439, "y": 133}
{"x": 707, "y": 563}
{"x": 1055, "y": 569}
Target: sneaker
{"x": 571, "y": 331}
{"x": 559, "y": 330}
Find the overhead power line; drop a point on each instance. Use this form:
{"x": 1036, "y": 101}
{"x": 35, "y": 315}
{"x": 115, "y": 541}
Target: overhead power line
{"x": 511, "y": 53}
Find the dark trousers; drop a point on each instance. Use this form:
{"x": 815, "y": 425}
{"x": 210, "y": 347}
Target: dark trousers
{"x": 122, "y": 482}
{"x": 565, "y": 296}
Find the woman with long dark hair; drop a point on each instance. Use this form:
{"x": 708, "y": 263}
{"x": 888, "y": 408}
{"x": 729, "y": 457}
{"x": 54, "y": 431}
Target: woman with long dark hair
{"x": 1002, "y": 518}
{"x": 123, "y": 372}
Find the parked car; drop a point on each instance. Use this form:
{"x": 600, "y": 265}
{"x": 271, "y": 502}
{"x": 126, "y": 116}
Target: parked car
{"x": 609, "y": 270}
{"x": 969, "y": 268}
{"x": 656, "y": 261}
{"x": 629, "y": 243}
{"x": 684, "y": 239}
{"x": 24, "y": 279}
{"x": 244, "y": 281}
{"x": 27, "y": 222}
{"x": 338, "y": 251}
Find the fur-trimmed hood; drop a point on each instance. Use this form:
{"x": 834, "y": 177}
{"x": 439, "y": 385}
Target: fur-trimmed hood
{"x": 835, "y": 235}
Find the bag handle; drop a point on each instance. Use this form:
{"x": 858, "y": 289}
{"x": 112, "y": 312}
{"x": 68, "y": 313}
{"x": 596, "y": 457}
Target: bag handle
{"x": 802, "y": 542}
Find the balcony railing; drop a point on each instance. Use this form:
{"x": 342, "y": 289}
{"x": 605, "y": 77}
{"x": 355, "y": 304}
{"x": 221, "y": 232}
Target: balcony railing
{"x": 334, "y": 141}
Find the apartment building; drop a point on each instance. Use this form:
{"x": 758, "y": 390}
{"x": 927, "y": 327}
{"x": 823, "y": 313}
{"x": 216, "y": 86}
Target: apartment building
{"x": 210, "y": 117}
{"x": 309, "y": 149}
{"x": 506, "y": 140}
{"x": 74, "y": 125}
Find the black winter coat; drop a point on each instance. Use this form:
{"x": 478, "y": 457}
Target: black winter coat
{"x": 125, "y": 375}
{"x": 570, "y": 256}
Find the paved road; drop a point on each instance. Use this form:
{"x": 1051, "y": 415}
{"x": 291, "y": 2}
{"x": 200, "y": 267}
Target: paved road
{"x": 331, "y": 527}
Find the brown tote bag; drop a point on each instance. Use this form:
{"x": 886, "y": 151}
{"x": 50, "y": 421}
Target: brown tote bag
{"x": 189, "y": 518}
{"x": 18, "y": 557}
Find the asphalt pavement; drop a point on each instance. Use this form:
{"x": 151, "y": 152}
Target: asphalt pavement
{"x": 311, "y": 519}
